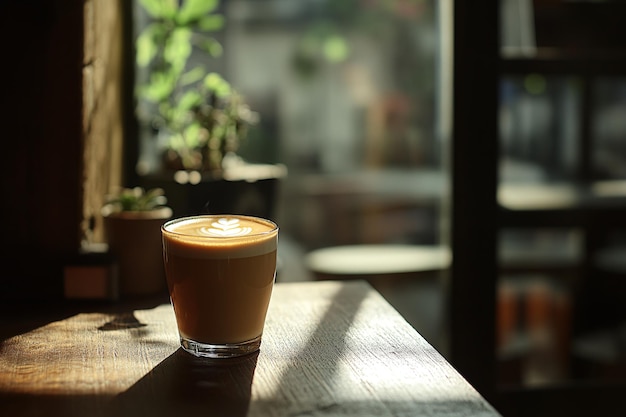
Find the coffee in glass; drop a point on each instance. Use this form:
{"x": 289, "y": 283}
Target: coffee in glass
{"x": 220, "y": 271}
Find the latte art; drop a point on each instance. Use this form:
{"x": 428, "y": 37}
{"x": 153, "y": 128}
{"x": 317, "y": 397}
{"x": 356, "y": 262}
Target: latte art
{"x": 226, "y": 227}
{"x": 209, "y": 236}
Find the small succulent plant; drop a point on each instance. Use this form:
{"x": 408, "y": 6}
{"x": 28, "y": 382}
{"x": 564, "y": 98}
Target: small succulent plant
{"x": 137, "y": 199}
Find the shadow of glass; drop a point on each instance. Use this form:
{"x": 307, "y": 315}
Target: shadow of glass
{"x": 183, "y": 384}
{"x": 20, "y": 318}
{"x": 122, "y": 322}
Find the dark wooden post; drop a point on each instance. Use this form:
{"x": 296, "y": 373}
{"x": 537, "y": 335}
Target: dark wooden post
{"x": 474, "y": 157}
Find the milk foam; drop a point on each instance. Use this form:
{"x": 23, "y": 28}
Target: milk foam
{"x": 212, "y": 237}
{"x": 225, "y": 227}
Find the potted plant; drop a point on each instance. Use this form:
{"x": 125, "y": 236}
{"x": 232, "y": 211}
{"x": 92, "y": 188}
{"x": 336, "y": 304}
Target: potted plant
{"x": 199, "y": 118}
{"x": 132, "y": 224}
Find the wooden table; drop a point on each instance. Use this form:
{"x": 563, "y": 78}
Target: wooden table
{"x": 329, "y": 349}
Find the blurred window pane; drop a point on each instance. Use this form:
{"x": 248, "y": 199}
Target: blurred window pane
{"x": 340, "y": 85}
{"x": 347, "y": 94}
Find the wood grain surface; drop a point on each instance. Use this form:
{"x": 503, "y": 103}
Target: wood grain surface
{"x": 329, "y": 349}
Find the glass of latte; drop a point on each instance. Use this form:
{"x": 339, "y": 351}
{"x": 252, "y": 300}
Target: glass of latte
{"x": 220, "y": 271}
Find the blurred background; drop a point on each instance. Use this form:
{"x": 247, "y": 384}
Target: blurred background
{"x": 350, "y": 128}
{"x": 467, "y": 160}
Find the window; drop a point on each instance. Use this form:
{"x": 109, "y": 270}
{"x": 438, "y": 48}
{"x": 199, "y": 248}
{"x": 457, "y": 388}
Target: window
{"x": 347, "y": 97}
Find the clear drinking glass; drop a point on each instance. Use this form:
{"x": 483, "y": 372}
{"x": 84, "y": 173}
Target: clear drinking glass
{"x": 220, "y": 271}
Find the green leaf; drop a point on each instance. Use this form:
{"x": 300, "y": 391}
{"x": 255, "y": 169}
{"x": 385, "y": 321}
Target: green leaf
{"x": 176, "y": 141}
{"x": 146, "y": 49}
{"x": 189, "y": 100}
{"x": 160, "y": 8}
{"x": 168, "y": 114}
{"x": 160, "y": 87}
{"x": 214, "y": 82}
{"x": 147, "y": 46}
{"x": 211, "y": 23}
{"x": 223, "y": 90}
{"x": 192, "y": 135}
{"x": 192, "y": 76}
{"x": 177, "y": 117}
{"x": 137, "y": 199}
{"x": 335, "y": 48}
{"x": 178, "y": 48}
{"x": 213, "y": 47}
{"x": 212, "y": 79}
{"x": 195, "y": 9}
{"x": 151, "y": 199}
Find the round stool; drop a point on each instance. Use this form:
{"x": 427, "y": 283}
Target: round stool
{"x": 370, "y": 260}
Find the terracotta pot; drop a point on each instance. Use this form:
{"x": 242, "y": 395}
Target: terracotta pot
{"x": 134, "y": 239}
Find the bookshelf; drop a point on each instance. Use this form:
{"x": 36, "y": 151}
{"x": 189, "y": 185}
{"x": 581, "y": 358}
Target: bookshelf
{"x": 577, "y": 292}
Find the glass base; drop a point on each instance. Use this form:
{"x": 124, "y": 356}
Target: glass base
{"x": 226, "y": 350}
